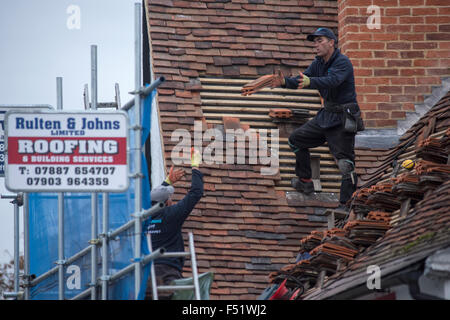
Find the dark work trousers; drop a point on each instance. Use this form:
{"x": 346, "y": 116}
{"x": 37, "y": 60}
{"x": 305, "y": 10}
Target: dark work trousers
{"x": 341, "y": 144}
{"x": 165, "y": 274}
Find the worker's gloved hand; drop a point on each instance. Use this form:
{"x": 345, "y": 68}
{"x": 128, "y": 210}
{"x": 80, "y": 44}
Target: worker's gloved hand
{"x": 277, "y": 79}
{"x": 195, "y": 158}
{"x": 303, "y": 81}
{"x": 174, "y": 175}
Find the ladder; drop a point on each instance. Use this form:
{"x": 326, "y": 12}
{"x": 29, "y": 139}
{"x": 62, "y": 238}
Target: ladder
{"x": 102, "y": 105}
{"x": 195, "y": 286}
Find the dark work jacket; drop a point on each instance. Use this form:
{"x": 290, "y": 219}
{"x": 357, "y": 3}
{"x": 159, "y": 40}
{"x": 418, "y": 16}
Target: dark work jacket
{"x": 165, "y": 226}
{"x": 334, "y": 80}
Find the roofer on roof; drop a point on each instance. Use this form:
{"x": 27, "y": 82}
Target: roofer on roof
{"x": 165, "y": 226}
{"x": 336, "y": 123}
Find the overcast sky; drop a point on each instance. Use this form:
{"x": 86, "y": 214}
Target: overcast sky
{"x": 45, "y": 39}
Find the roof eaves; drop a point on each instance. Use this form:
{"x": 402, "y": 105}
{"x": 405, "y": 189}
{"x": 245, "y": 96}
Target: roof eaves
{"x": 351, "y": 284}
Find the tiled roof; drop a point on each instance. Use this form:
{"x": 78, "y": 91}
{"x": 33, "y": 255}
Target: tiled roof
{"x": 433, "y": 124}
{"x": 403, "y": 215}
{"x": 425, "y": 230}
{"x": 247, "y": 224}
{"x": 242, "y": 38}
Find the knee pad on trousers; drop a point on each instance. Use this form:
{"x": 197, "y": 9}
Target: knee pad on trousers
{"x": 345, "y": 166}
{"x": 347, "y": 169}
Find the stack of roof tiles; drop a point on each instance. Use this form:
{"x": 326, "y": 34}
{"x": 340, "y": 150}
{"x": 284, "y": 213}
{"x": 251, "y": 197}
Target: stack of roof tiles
{"x": 378, "y": 196}
{"x": 303, "y": 271}
{"x": 379, "y": 216}
{"x": 266, "y": 81}
{"x": 359, "y": 199}
{"x": 335, "y": 232}
{"x": 407, "y": 185}
{"x": 427, "y": 167}
{"x": 332, "y": 253}
{"x": 434, "y": 149}
{"x": 381, "y": 197}
{"x": 366, "y": 232}
{"x": 313, "y": 240}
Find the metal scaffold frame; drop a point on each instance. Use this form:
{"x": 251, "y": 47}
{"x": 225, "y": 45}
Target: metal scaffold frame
{"x": 97, "y": 240}
{"x": 17, "y": 202}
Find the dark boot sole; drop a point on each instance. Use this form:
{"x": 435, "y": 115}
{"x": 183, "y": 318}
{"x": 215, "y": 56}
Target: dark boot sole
{"x": 295, "y": 183}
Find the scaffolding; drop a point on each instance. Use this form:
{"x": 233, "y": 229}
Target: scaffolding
{"x": 101, "y": 240}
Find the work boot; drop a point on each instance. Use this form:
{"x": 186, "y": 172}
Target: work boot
{"x": 302, "y": 186}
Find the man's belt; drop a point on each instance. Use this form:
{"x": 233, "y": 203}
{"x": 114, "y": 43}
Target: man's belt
{"x": 352, "y": 120}
{"x": 339, "y": 108}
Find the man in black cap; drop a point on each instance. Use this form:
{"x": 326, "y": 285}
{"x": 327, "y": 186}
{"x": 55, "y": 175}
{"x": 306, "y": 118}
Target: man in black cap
{"x": 165, "y": 226}
{"x": 336, "y": 123}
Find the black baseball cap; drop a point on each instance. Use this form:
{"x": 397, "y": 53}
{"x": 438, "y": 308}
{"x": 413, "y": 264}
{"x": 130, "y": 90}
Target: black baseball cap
{"x": 322, "y": 32}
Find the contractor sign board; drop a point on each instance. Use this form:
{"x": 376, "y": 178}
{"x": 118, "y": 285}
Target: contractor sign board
{"x": 66, "y": 151}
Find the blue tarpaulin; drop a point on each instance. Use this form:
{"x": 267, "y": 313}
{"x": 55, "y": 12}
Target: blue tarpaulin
{"x": 43, "y": 226}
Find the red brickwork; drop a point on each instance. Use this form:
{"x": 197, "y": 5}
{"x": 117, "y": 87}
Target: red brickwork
{"x": 397, "y": 64}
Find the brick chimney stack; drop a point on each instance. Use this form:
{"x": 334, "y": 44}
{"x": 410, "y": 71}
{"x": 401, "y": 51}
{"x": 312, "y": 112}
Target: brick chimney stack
{"x": 400, "y": 49}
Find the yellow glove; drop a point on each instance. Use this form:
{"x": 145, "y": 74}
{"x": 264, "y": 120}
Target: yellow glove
{"x": 303, "y": 81}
